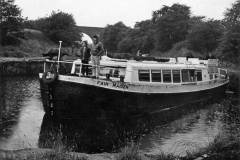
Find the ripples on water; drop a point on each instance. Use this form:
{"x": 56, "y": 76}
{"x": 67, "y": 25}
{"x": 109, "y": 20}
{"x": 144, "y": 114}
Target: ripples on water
{"x": 23, "y": 125}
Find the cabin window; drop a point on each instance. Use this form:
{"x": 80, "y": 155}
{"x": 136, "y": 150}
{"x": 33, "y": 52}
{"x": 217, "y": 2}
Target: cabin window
{"x": 176, "y": 76}
{"x": 144, "y": 75}
{"x": 167, "y": 76}
{"x": 211, "y": 76}
{"x": 116, "y": 73}
{"x": 185, "y": 75}
{"x": 199, "y": 75}
{"x": 156, "y": 76}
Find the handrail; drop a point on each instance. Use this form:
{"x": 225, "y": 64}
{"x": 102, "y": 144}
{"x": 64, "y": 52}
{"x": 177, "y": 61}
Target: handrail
{"x": 80, "y": 63}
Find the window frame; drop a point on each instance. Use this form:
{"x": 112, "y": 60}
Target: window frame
{"x": 149, "y": 76}
{"x": 180, "y": 79}
{"x": 188, "y": 76}
{"x": 197, "y": 72}
{"x": 160, "y": 75}
{"x": 170, "y": 73}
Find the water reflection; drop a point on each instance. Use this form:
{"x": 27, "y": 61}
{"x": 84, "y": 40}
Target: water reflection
{"x": 91, "y": 134}
{"x": 189, "y": 133}
{"x": 21, "y": 112}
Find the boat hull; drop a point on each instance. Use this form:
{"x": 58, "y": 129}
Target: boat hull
{"x": 74, "y": 99}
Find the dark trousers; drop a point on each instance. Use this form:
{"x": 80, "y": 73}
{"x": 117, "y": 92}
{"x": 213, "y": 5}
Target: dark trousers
{"x": 85, "y": 67}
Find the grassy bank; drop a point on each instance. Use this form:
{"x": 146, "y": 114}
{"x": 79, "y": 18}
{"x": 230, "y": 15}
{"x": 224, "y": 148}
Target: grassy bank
{"x": 49, "y": 154}
{"x": 226, "y": 144}
{"x": 33, "y": 44}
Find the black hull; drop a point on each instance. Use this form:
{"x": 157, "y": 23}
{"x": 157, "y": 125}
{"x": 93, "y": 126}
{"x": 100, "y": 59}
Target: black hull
{"x": 78, "y": 99}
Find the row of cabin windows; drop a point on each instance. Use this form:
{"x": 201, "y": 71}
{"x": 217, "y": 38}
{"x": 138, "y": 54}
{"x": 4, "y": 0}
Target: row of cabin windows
{"x": 168, "y": 76}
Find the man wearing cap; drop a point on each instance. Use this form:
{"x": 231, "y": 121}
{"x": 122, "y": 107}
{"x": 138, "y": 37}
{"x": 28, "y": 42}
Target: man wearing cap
{"x": 96, "y": 53}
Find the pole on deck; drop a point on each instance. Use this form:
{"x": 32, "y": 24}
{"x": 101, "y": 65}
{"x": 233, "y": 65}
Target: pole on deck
{"x": 59, "y": 54}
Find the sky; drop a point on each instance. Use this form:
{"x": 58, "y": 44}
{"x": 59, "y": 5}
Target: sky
{"x": 99, "y": 13}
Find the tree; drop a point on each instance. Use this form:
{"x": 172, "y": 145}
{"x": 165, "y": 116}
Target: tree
{"x": 139, "y": 38}
{"x": 113, "y": 34}
{"x": 233, "y": 14}
{"x": 10, "y": 21}
{"x": 59, "y": 26}
{"x": 229, "y": 48}
{"x": 172, "y": 24}
{"x": 204, "y": 37}
{"x": 126, "y": 45}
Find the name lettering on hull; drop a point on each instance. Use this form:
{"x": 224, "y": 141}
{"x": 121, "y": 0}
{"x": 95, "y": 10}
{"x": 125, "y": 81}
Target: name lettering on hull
{"x": 102, "y": 83}
{"x": 120, "y": 85}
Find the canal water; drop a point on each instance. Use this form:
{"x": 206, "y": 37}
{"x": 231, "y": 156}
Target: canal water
{"x": 23, "y": 124}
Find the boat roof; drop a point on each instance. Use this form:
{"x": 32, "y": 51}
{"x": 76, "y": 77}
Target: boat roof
{"x": 158, "y": 65}
{"x": 178, "y": 63}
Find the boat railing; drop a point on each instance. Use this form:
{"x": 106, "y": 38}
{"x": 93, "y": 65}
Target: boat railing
{"x": 74, "y": 67}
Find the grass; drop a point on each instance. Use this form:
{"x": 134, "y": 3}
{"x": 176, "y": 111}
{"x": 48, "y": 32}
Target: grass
{"x": 223, "y": 147}
{"x": 43, "y": 155}
{"x": 56, "y": 156}
{"x": 132, "y": 152}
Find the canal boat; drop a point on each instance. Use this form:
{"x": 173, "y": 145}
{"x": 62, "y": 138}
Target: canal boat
{"x": 131, "y": 86}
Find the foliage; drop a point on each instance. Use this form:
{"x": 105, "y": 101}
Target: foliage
{"x": 171, "y": 31}
{"x": 204, "y": 36}
{"x": 59, "y": 26}
{"x": 229, "y": 48}
{"x": 10, "y": 22}
{"x": 172, "y": 24}
{"x": 233, "y": 14}
{"x": 138, "y": 38}
{"x": 113, "y": 34}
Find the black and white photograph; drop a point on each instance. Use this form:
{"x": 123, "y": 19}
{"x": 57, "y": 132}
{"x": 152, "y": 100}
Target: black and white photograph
{"x": 119, "y": 79}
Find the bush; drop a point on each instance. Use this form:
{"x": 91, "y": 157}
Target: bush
{"x": 59, "y": 26}
{"x": 11, "y": 21}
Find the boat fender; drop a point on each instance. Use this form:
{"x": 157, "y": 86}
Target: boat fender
{"x": 50, "y": 76}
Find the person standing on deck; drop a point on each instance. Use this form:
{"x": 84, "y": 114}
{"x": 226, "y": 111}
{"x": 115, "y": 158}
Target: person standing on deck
{"x": 85, "y": 55}
{"x": 96, "y": 53}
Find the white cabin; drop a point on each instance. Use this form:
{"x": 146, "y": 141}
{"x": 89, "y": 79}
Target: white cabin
{"x": 176, "y": 71}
